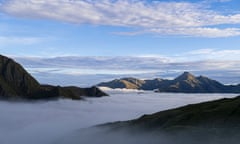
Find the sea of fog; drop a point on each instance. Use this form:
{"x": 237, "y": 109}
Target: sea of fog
{"x": 45, "y": 122}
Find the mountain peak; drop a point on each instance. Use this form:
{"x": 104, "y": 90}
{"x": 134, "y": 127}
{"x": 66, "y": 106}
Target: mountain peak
{"x": 186, "y": 83}
{"x": 129, "y": 79}
{"x": 185, "y": 76}
{"x": 187, "y": 73}
{"x": 17, "y": 83}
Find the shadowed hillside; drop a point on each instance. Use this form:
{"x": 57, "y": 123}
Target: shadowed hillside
{"x": 215, "y": 122}
{"x": 223, "y": 113}
{"x": 17, "y": 83}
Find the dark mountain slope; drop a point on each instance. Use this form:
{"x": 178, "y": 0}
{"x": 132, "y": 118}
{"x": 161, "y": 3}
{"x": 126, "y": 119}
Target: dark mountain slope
{"x": 14, "y": 79}
{"x": 17, "y": 83}
{"x": 215, "y": 114}
{"x": 215, "y": 122}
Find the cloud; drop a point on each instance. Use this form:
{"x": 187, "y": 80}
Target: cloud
{"x": 130, "y": 64}
{"x": 89, "y": 65}
{"x": 211, "y": 54}
{"x": 87, "y": 71}
{"x": 6, "y": 40}
{"x": 159, "y": 17}
{"x": 223, "y": 0}
{"x": 50, "y": 121}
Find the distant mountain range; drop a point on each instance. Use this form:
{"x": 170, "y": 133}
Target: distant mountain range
{"x": 17, "y": 83}
{"x": 186, "y": 83}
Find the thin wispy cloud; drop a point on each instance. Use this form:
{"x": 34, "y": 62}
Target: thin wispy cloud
{"x": 158, "y": 17}
{"x": 86, "y": 71}
{"x": 211, "y": 54}
{"x": 122, "y": 65}
{"x": 7, "y": 40}
{"x": 201, "y": 59}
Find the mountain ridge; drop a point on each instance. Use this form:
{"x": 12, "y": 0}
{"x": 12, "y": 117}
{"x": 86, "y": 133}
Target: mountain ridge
{"x": 17, "y": 83}
{"x": 212, "y": 122}
{"x": 186, "y": 83}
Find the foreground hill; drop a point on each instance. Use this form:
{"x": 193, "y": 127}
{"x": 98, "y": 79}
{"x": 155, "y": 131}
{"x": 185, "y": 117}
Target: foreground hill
{"x": 221, "y": 113}
{"x": 215, "y": 122}
{"x": 186, "y": 83}
{"x": 17, "y": 83}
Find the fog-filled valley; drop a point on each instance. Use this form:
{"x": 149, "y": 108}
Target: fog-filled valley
{"x": 119, "y": 71}
{"x": 50, "y": 121}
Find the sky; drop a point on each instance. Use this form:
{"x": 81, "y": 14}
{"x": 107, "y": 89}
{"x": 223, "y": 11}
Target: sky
{"x": 164, "y": 32}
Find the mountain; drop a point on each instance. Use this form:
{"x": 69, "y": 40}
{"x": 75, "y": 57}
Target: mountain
{"x": 214, "y": 122}
{"x": 186, "y": 83}
{"x": 17, "y": 83}
{"x": 133, "y": 83}
{"x": 128, "y": 83}
{"x": 14, "y": 80}
{"x": 219, "y": 113}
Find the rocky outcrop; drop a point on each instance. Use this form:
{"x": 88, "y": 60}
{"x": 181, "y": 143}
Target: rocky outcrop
{"x": 185, "y": 83}
{"x": 17, "y": 83}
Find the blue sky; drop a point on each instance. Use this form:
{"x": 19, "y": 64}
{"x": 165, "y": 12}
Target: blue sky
{"x": 32, "y": 28}
{"x": 173, "y": 30}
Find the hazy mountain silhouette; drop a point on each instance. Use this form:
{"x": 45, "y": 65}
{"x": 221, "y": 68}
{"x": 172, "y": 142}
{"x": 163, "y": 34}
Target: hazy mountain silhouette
{"x": 17, "y": 83}
{"x": 186, "y": 83}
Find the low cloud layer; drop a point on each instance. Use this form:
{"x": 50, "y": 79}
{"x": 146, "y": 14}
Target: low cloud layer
{"x": 47, "y": 122}
{"x": 86, "y": 71}
{"x": 121, "y": 65}
{"x": 158, "y": 17}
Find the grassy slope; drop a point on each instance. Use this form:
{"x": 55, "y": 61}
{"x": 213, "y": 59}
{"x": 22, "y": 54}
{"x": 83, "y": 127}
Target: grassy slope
{"x": 209, "y": 123}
